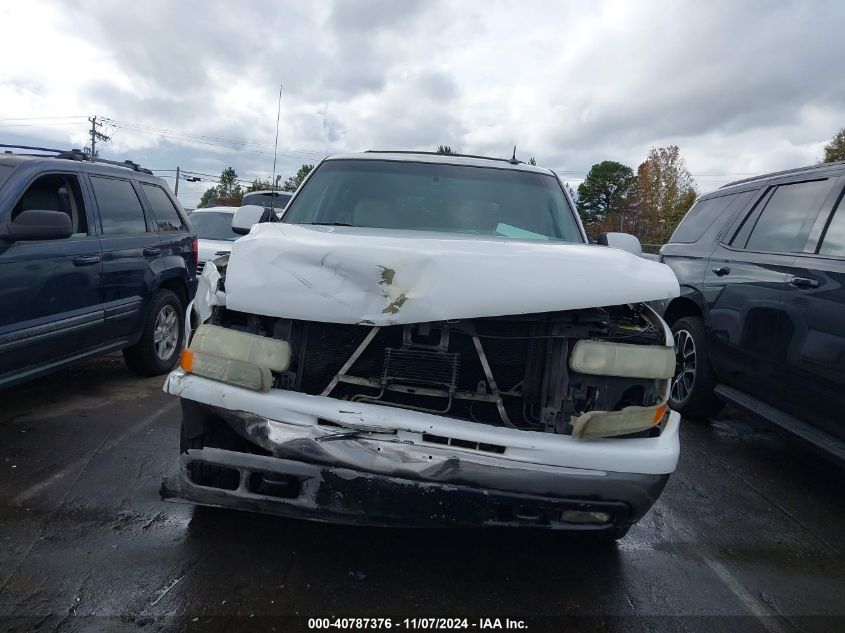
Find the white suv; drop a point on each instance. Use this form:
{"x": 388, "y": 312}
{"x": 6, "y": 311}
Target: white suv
{"x": 429, "y": 340}
{"x": 213, "y": 228}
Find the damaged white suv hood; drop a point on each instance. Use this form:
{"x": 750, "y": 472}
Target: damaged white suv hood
{"x": 386, "y": 277}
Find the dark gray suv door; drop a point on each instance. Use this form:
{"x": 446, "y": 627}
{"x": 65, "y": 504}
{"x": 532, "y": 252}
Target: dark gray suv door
{"x": 746, "y": 282}
{"x": 812, "y": 366}
{"x": 51, "y": 295}
{"x": 131, "y": 251}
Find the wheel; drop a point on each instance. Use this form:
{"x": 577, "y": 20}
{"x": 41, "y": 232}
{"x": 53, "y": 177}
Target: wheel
{"x": 157, "y": 351}
{"x": 694, "y": 383}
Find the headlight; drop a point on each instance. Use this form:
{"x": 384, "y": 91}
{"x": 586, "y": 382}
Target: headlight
{"x": 237, "y": 358}
{"x": 612, "y": 423}
{"x": 605, "y": 358}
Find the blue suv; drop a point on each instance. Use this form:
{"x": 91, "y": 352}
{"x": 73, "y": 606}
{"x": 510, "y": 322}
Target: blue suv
{"x": 95, "y": 256}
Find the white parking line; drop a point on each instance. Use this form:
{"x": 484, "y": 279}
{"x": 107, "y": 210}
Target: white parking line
{"x": 766, "y": 616}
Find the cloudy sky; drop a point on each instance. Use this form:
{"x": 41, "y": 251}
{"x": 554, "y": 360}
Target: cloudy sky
{"x": 741, "y": 87}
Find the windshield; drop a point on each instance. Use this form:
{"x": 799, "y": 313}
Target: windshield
{"x": 264, "y": 199}
{"x": 435, "y": 197}
{"x": 211, "y": 225}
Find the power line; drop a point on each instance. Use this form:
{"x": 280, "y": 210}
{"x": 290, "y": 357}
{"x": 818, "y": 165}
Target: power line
{"x": 203, "y": 177}
{"x": 43, "y": 118}
{"x": 42, "y": 124}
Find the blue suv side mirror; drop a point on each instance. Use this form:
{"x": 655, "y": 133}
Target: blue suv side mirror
{"x": 36, "y": 224}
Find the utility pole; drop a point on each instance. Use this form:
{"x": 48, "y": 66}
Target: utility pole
{"x": 96, "y": 135}
{"x": 188, "y": 178}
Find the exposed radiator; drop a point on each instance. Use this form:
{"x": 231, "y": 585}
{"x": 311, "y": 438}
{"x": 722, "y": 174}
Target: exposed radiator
{"x": 422, "y": 367}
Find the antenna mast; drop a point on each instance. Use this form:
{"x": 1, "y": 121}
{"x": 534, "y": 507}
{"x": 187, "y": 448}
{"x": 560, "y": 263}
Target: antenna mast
{"x": 275, "y": 149}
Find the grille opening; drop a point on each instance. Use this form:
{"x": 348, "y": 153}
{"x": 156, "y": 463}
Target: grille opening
{"x": 435, "y": 367}
{"x": 451, "y": 441}
{"x": 274, "y": 485}
{"x": 213, "y": 476}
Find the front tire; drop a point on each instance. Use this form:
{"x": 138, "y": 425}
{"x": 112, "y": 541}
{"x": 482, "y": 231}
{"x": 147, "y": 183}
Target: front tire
{"x": 694, "y": 382}
{"x": 158, "y": 349}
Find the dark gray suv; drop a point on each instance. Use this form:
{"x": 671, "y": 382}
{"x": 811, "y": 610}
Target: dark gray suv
{"x": 94, "y": 257}
{"x": 760, "y": 321}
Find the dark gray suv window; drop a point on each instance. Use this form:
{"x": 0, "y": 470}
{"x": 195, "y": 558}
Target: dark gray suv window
{"x": 834, "y": 238}
{"x": 120, "y": 210}
{"x": 704, "y": 213}
{"x": 165, "y": 214}
{"x": 782, "y": 226}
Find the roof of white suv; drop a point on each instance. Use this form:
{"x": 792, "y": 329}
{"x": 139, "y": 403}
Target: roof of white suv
{"x": 446, "y": 159}
{"x": 217, "y": 209}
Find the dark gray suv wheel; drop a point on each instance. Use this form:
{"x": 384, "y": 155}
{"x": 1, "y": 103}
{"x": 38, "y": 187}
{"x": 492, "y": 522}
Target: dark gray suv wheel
{"x": 694, "y": 383}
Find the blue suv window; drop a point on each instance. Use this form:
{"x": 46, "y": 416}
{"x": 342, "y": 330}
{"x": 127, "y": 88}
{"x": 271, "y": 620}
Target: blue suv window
{"x": 120, "y": 209}
{"x": 165, "y": 214}
{"x": 55, "y": 192}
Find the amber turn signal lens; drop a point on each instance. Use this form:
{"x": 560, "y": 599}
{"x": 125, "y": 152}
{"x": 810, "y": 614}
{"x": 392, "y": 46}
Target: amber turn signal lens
{"x": 659, "y": 413}
{"x": 187, "y": 360}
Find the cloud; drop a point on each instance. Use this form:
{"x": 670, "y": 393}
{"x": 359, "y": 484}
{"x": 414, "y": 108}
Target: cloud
{"x": 740, "y": 87}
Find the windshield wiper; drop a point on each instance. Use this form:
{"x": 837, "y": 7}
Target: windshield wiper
{"x": 331, "y": 224}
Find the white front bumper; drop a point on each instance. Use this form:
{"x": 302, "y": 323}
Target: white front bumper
{"x": 284, "y": 409}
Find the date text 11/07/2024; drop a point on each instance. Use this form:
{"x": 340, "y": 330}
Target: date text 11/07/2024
{"x": 481, "y": 624}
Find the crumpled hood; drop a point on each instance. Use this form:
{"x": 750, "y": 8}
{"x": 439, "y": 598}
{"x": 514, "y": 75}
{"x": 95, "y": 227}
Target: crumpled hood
{"x": 385, "y": 277}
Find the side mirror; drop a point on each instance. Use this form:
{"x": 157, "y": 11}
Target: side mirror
{"x": 39, "y": 225}
{"x": 246, "y": 216}
{"x": 622, "y": 241}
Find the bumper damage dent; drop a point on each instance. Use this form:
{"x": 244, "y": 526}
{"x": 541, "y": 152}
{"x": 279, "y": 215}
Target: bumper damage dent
{"x": 346, "y": 462}
{"x": 342, "y": 495}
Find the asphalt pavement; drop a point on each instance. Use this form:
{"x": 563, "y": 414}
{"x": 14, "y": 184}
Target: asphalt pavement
{"x": 748, "y": 536}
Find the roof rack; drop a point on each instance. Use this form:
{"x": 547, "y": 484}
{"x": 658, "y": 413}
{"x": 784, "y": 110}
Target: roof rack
{"x": 785, "y": 172}
{"x": 387, "y": 151}
{"x": 78, "y": 154}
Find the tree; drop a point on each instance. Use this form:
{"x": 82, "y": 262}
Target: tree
{"x": 208, "y": 198}
{"x": 531, "y": 161}
{"x": 605, "y": 190}
{"x": 444, "y": 149}
{"x": 229, "y": 186}
{"x": 259, "y": 185}
{"x": 664, "y": 192}
{"x": 226, "y": 190}
{"x": 292, "y": 183}
{"x": 835, "y": 150}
